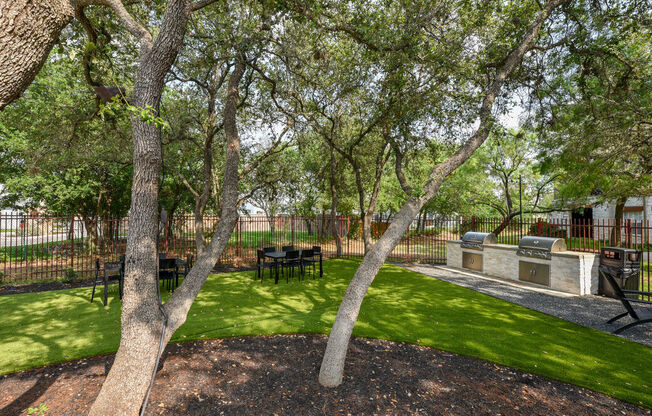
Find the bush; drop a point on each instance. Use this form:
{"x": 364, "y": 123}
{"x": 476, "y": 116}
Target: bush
{"x": 354, "y": 230}
{"x": 378, "y": 229}
{"x": 545, "y": 229}
{"x": 70, "y": 276}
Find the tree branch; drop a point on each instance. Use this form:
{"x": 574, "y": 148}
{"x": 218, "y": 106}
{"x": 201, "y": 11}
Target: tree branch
{"x": 125, "y": 18}
{"x": 200, "y": 4}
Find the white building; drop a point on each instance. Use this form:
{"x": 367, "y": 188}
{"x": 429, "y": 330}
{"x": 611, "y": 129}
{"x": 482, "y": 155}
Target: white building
{"x": 596, "y": 220}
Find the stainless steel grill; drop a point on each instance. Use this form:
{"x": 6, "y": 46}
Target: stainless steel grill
{"x": 474, "y": 240}
{"x": 540, "y": 247}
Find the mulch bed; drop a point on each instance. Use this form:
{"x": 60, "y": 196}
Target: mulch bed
{"x": 42, "y": 287}
{"x": 277, "y": 375}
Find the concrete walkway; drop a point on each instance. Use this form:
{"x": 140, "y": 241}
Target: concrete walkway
{"x": 590, "y": 311}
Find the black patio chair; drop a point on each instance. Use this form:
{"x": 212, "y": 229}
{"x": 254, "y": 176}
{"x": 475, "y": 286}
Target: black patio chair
{"x": 640, "y": 316}
{"x": 317, "y": 252}
{"x": 113, "y": 270}
{"x": 269, "y": 249}
{"x": 168, "y": 272}
{"x": 184, "y": 266}
{"x": 122, "y": 274}
{"x": 287, "y": 248}
{"x": 292, "y": 260}
{"x": 261, "y": 264}
{"x": 308, "y": 259}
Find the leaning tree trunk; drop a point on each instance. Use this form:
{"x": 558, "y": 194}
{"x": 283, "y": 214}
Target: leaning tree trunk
{"x": 332, "y": 367}
{"x": 200, "y": 240}
{"x": 28, "y": 31}
{"x": 505, "y": 223}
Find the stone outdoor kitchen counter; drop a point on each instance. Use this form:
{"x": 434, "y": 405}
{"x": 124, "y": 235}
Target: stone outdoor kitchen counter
{"x": 570, "y": 271}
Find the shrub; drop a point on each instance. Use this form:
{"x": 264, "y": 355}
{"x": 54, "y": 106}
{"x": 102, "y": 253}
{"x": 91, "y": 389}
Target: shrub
{"x": 354, "y": 230}
{"x": 40, "y": 411}
{"x": 378, "y": 229}
{"x": 546, "y": 229}
{"x": 70, "y": 276}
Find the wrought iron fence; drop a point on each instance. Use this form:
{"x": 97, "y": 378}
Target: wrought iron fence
{"x": 51, "y": 247}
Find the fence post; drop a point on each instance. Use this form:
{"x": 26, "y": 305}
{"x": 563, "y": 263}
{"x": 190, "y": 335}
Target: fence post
{"x": 539, "y": 227}
{"x": 348, "y": 231}
{"x": 473, "y": 225}
{"x": 408, "y": 243}
{"x": 237, "y": 237}
{"x": 166, "y": 235}
{"x": 628, "y": 231}
{"x": 72, "y": 241}
{"x": 292, "y": 226}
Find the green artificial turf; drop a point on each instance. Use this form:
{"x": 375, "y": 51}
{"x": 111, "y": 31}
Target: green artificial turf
{"x": 49, "y": 327}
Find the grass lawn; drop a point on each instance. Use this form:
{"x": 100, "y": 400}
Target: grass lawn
{"x": 50, "y": 327}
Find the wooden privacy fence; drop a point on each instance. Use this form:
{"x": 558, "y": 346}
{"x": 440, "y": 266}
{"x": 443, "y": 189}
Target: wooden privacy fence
{"x": 52, "y": 247}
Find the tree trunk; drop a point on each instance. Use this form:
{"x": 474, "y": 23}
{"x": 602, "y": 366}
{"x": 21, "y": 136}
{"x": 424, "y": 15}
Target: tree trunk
{"x": 366, "y": 231}
{"x": 616, "y": 232}
{"x": 28, "y": 31}
{"x": 91, "y": 228}
{"x": 202, "y": 200}
{"x": 336, "y": 234}
{"x": 322, "y": 229}
{"x": 271, "y": 219}
{"x": 332, "y": 367}
{"x": 126, "y": 384}
{"x": 504, "y": 223}
{"x": 200, "y": 240}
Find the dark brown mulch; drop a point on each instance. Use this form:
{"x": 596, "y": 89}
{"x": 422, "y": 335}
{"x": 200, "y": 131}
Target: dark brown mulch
{"x": 277, "y": 375}
{"x": 42, "y": 287}
{"x": 56, "y": 285}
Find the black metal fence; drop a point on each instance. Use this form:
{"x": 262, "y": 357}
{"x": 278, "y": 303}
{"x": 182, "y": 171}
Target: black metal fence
{"x": 52, "y": 247}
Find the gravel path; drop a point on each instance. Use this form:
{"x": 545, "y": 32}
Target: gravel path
{"x": 591, "y": 311}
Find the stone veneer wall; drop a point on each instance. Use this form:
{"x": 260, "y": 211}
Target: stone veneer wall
{"x": 570, "y": 271}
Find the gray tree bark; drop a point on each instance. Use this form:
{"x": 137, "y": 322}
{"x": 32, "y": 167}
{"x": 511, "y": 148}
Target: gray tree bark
{"x": 333, "y": 182}
{"x": 126, "y": 384}
{"x": 332, "y": 367}
{"x": 28, "y": 31}
{"x": 142, "y": 320}
{"x": 201, "y": 200}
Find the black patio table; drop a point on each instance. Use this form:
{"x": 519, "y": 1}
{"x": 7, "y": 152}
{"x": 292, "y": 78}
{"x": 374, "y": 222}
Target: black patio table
{"x": 279, "y": 255}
